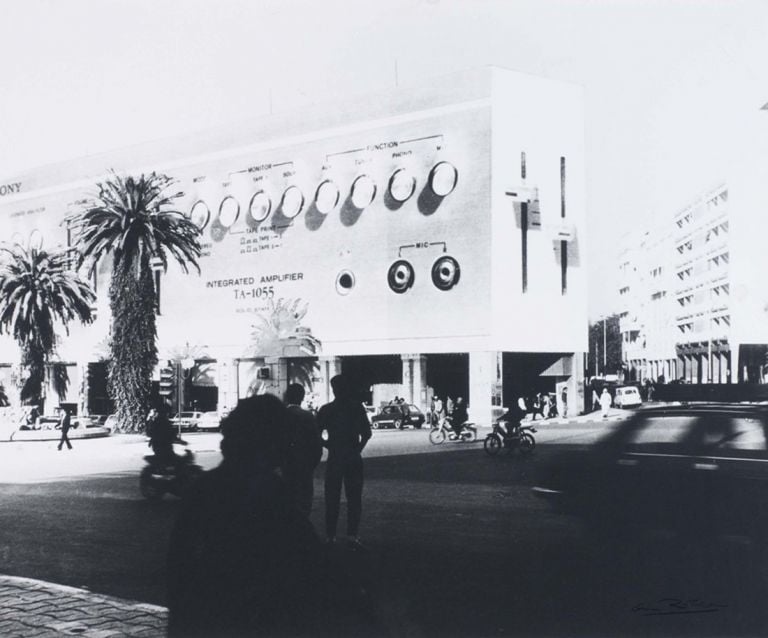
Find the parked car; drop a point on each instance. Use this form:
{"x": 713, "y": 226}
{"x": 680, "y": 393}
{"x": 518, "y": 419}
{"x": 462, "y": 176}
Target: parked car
{"x": 209, "y": 421}
{"x": 398, "y": 416}
{"x": 187, "y": 421}
{"x": 627, "y": 397}
{"x": 685, "y": 471}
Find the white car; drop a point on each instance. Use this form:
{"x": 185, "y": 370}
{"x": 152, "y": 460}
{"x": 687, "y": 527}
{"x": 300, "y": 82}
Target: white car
{"x": 209, "y": 421}
{"x": 627, "y": 397}
{"x": 186, "y": 421}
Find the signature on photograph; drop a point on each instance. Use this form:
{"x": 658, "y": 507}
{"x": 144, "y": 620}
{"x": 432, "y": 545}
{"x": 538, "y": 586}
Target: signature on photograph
{"x": 673, "y": 606}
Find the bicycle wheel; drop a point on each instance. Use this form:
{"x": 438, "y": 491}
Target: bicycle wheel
{"x": 527, "y": 444}
{"x": 437, "y": 436}
{"x": 492, "y": 444}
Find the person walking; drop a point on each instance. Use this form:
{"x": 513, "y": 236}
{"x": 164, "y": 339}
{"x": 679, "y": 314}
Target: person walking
{"x": 564, "y": 399}
{"x": 305, "y": 449}
{"x": 348, "y": 431}
{"x": 65, "y": 422}
{"x": 439, "y": 411}
{"x": 605, "y": 402}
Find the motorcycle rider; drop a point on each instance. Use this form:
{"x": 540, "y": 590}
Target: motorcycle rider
{"x": 162, "y": 436}
{"x": 511, "y": 421}
{"x": 459, "y": 416}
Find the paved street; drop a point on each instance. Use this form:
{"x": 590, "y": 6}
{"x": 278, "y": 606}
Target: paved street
{"x": 458, "y": 545}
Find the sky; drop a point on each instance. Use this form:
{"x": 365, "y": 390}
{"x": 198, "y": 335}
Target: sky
{"x": 665, "y": 83}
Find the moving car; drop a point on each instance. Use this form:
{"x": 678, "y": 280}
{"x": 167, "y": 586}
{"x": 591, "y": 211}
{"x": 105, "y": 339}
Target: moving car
{"x": 689, "y": 471}
{"x": 398, "y": 416}
{"x": 627, "y": 397}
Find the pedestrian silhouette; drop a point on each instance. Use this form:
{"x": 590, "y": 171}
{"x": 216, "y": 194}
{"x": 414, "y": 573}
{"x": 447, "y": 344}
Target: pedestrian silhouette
{"x": 65, "y": 423}
{"x": 242, "y": 560}
{"x": 606, "y": 400}
{"x": 348, "y": 431}
{"x": 304, "y": 451}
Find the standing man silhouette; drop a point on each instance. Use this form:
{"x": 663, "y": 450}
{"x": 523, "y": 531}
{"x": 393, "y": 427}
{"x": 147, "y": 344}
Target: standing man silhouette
{"x": 348, "y": 432}
{"x": 65, "y": 423}
{"x": 305, "y": 448}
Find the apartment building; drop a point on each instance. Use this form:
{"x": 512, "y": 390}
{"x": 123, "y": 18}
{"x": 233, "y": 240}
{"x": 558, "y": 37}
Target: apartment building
{"x": 647, "y": 306}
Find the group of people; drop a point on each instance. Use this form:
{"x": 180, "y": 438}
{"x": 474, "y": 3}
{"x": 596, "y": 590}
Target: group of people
{"x": 244, "y": 558}
{"x": 543, "y": 405}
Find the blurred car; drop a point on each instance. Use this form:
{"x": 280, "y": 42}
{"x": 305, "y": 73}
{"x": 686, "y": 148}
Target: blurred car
{"x": 627, "y": 397}
{"x": 398, "y": 416}
{"x": 370, "y": 411}
{"x": 685, "y": 471}
{"x": 209, "y": 421}
{"x": 187, "y": 421}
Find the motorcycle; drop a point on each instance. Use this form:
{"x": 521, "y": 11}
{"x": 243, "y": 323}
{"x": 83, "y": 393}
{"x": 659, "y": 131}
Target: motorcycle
{"x": 514, "y": 438}
{"x": 160, "y": 477}
{"x": 444, "y": 430}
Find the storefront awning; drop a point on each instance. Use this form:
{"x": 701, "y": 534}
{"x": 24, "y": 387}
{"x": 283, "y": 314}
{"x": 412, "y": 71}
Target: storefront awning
{"x": 563, "y": 367}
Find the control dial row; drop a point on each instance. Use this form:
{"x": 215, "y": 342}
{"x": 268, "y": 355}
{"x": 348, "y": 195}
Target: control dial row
{"x": 402, "y": 185}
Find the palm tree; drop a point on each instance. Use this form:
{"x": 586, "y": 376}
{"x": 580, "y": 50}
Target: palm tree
{"x": 279, "y": 332}
{"x": 134, "y": 221}
{"x": 39, "y": 290}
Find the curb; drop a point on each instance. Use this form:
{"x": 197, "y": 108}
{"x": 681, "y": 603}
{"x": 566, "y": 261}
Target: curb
{"x": 55, "y": 435}
{"x": 33, "y": 583}
{"x": 39, "y": 609}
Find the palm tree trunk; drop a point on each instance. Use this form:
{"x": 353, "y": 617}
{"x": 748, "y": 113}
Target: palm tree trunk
{"x": 133, "y": 344}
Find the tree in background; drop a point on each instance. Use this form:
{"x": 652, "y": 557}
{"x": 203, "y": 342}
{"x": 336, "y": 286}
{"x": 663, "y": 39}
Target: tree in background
{"x": 280, "y": 331}
{"x": 134, "y": 221}
{"x": 604, "y": 351}
{"x": 38, "y": 290}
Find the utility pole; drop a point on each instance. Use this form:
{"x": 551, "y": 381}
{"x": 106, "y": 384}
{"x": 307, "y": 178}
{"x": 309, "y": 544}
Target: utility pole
{"x": 597, "y": 355}
{"x": 605, "y": 352}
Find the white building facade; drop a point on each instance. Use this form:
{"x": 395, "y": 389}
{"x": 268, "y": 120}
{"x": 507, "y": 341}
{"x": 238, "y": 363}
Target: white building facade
{"x": 430, "y": 240}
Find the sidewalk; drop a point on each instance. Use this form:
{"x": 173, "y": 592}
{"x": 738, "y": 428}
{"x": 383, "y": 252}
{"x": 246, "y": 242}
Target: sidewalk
{"x": 614, "y": 414}
{"x": 33, "y": 608}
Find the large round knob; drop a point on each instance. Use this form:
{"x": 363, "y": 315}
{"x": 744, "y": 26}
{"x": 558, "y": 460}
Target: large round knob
{"x": 443, "y": 178}
{"x": 293, "y": 201}
{"x": 326, "y": 197}
{"x": 200, "y": 215}
{"x": 402, "y": 185}
{"x": 363, "y": 192}
{"x": 260, "y": 207}
{"x": 229, "y": 211}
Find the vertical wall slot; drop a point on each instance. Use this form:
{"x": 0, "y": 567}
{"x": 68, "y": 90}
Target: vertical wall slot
{"x": 524, "y": 229}
{"x": 563, "y": 244}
